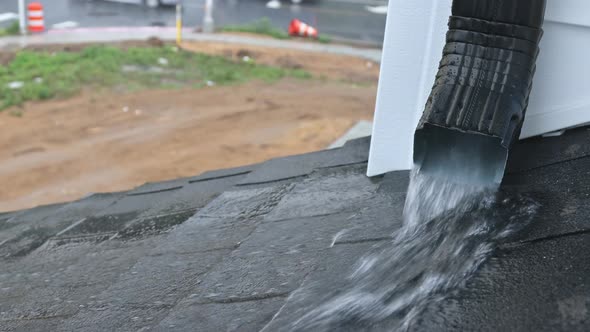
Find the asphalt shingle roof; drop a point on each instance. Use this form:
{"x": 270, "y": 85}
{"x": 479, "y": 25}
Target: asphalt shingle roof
{"x": 227, "y": 250}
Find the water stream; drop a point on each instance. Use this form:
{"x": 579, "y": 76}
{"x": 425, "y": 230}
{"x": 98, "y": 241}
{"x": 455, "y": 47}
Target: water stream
{"x": 449, "y": 230}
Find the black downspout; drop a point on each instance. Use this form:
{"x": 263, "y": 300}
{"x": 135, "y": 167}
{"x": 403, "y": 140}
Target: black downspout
{"x": 477, "y": 105}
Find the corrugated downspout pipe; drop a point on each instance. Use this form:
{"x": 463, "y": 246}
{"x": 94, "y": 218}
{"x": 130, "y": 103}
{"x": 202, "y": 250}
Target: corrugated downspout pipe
{"x": 478, "y": 102}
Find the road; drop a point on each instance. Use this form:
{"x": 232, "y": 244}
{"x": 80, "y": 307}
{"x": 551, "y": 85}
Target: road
{"x": 346, "y": 19}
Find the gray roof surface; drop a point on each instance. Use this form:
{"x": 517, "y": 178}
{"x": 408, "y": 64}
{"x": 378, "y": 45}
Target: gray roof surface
{"x": 226, "y": 250}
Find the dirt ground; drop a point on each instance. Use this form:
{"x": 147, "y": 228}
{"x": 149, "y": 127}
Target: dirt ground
{"x": 61, "y": 150}
{"x": 344, "y": 68}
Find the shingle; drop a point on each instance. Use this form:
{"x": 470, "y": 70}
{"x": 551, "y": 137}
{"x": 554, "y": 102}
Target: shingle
{"x": 233, "y": 316}
{"x": 333, "y": 268}
{"x": 537, "y": 287}
{"x": 327, "y": 191}
{"x": 222, "y": 173}
{"x": 32, "y": 228}
{"x": 542, "y": 151}
{"x": 301, "y": 165}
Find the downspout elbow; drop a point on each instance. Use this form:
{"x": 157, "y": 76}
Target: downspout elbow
{"x": 478, "y": 103}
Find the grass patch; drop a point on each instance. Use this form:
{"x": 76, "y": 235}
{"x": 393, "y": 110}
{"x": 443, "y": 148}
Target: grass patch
{"x": 11, "y": 30}
{"x": 43, "y": 75}
{"x": 262, "y": 26}
{"x": 324, "y": 39}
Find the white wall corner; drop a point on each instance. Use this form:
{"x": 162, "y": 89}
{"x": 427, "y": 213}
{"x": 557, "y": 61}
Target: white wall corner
{"x": 414, "y": 38}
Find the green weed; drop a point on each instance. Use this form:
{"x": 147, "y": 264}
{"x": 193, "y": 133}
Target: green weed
{"x": 264, "y": 27}
{"x": 324, "y": 39}
{"x": 11, "y": 30}
{"x": 47, "y": 75}
{"x": 261, "y": 27}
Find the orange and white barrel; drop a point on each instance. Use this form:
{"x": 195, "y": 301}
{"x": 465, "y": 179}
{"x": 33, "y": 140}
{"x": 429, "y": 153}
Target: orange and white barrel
{"x": 36, "y": 21}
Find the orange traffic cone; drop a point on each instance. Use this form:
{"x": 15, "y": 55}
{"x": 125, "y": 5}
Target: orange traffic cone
{"x": 298, "y": 28}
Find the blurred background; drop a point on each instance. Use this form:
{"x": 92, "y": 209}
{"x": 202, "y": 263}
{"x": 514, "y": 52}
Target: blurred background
{"x": 354, "y": 20}
{"x": 107, "y": 96}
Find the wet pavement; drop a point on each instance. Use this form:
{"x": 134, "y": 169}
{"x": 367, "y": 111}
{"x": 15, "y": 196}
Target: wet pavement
{"x": 258, "y": 247}
{"x": 106, "y": 35}
{"x": 345, "y": 19}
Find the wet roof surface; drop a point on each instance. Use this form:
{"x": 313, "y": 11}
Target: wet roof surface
{"x": 224, "y": 250}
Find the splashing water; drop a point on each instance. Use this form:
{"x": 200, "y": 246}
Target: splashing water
{"x": 449, "y": 230}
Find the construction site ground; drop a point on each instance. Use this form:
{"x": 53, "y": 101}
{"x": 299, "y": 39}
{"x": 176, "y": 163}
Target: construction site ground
{"x": 108, "y": 140}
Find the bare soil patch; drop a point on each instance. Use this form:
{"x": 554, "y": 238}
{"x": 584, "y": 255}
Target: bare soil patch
{"x": 103, "y": 141}
{"x": 328, "y": 66}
